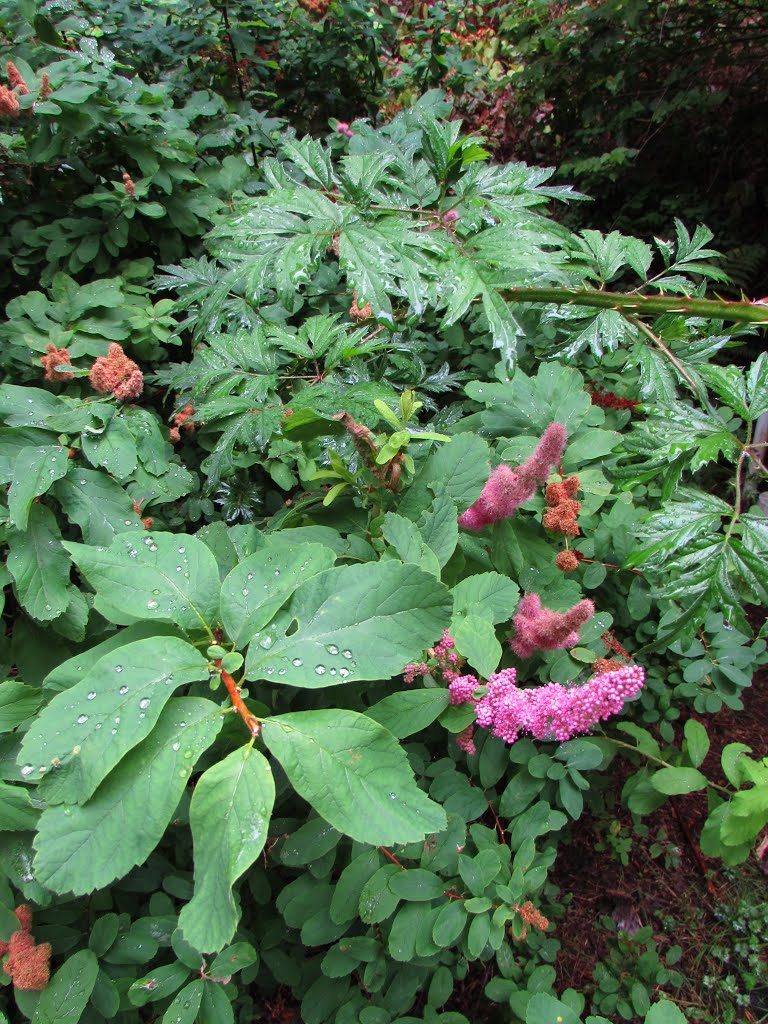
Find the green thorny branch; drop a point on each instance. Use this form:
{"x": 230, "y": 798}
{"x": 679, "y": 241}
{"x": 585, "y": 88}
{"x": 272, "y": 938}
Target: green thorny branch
{"x": 742, "y": 312}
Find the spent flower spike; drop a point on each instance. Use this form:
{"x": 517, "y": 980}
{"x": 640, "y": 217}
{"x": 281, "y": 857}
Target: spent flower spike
{"x": 540, "y": 629}
{"x": 507, "y": 489}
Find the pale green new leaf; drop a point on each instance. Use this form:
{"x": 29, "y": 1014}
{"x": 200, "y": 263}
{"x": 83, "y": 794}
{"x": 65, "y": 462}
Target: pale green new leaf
{"x": 476, "y": 640}
{"x": 158, "y": 576}
{"x": 39, "y": 565}
{"x": 353, "y": 622}
{"x": 34, "y": 472}
{"x": 260, "y": 585}
{"x": 354, "y": 774}
{"x": 85, "y": 731}
{"x": 85, "y": 847}
{"x": 229, "y": 816}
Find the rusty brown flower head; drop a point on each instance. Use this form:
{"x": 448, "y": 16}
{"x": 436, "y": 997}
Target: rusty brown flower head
{"x": 118, "y": 374}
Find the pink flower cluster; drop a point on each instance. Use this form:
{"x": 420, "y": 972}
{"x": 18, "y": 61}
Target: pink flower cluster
{"x": 539, "y": 629}
{"x": 547, "y": 712}
{"x": 507, "y": 489}
{"x": 448, "y": 661}
{"x": 343, "y": 129}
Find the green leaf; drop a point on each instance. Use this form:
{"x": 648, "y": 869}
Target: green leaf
{"x": 355, "y": 774}
{"x": 545, "y": 1009}
{"x": 730, "y": 758}
{"x": 417, "y": 885}
{"x": 34, "y": 473}
{"x": 449, "y": 923}
{"x": 665, "y": 1012}
{"x": 260, "y": 585}
{"x": 675, "y": 781}
{"x": 82, "y": 848}
{"x": 17, "y": 703}
{"x": 66, "y": 996}
{"x": 229, "y": 816}
{"x": 697, "y": 740}
{"x": 98, "y": 504}
{"x": 476, "y": 639}
{"x": 85, "y": 731}
{"x": 186, "y": 1005}
{"x": 405, "y": 538}
{"x": 159, "y": 576}
{"x": 757, "y": 386}
{"x": 16, "y": 811}
{"x": 527, "y": 405}
{"x": 158, "y": 984}
{"x": 488, "y": 594}
{"x": 461, "y": 468}
{"x": 114, "y": 448}
{"x": 409, "y": 711}
{"x": 439, "y": 527}
{"x": 40, "y": 566}
{"x": 354, "y": 622}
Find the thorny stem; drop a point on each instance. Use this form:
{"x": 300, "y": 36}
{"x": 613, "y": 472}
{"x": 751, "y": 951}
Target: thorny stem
{"x": 251, "y": 721}
{"x": 663, "y": 348}
{"x": 737, "y": 498}
{"x": 610, "y": 565}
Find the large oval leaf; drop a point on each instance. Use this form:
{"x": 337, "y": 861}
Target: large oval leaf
{"x": 229, "y": 815}
{"x": 354, "y": 622}
{"x": 259, "y": 586}
{"x": 82, "y": 848}
{"x": 158, "y": 576}
{"x": 355, "y": 774}
{"x": 85, "y": 731}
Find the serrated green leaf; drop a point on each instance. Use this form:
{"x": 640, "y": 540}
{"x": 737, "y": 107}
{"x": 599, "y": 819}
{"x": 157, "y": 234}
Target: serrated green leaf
{"x": 757, "y": 386}
{"x": 82, "y": 848}
{"x": 114, "y": 448}
{"x": 229, "y": 816}
{"x": 34, "y": 472}
{"x": 488, "y": 594}
{"x": 159, "y": 576}
{"x": 85, "y": 731}
{"x": 354, "y": 622}
{"x": 98, "y": 504}
{"x": 476, "y": 640}
{"x": 439, "y": 527}
{"x": 405, "y": 538}
{"x": 355, "y": 774}
{"x": 66, "y": 996}
{"x": 39, "y": 565}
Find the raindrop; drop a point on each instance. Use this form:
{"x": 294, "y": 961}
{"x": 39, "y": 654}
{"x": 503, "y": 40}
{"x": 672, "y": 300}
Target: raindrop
{"x": 320, "y": 670}
{"x": 332, "y": 648}
{"x": 153, "y": 548}
{"x": 245, "y": 592}
{"x": 178, "y": 568}
{"x": 270, "y": 670}
{"x": 151, "y": 603}
{"x": 68, "y": 811}
{"x": 297, "y": 662}
{"x": 27, "y": 770}
{"x": 393, "y": 796}
{"x": 123, "y": 690}
{"x": 144, "y": 703}
{"x": 142, "y": 715}
{"x": 343, "y": 672}
{"x": 250, "y": 576}
{"x": 92, "y": 695}
{"x": 281, "y": 671}
{"x": 117, "y": 720}
{"x": 277, "y": 572}
{"x": 82, "y": 719}
{"x": 267, "y": 642}
{"x": 42, "y": 769}
{"x": 175, "y": 746}
{"x": 346, "y": 654}
{"x": 187, "y": 754}
{"x": 118, "y": 668}
{"x": 333, "y": 671}
{"x": 182, "y": 775}
{"x": 114, "y": 732}
{"x": 182, "y": 550}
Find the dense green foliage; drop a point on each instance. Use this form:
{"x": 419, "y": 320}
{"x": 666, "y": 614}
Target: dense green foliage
{"x": 252, "y": 380}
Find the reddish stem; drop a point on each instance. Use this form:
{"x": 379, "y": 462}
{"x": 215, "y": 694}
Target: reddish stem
{"x": 394, "y": 859}
{"x": 251, "y": 721}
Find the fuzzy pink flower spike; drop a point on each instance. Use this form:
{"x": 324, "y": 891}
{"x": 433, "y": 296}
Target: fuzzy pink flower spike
{"x": 539, "y": 629}
{"x": 507, "y": 489}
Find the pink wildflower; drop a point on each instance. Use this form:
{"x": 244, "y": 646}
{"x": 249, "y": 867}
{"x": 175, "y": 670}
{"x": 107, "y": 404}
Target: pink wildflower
{"x": 411, "y": 671}
{"x": 343, "y": 129}
{"x": 464, "y": 740}
{"x": 507, "y": 489}
{"x": 555, "y": 711}
{"x": 461, "y": 689}
{"x": 538, "y": 628}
